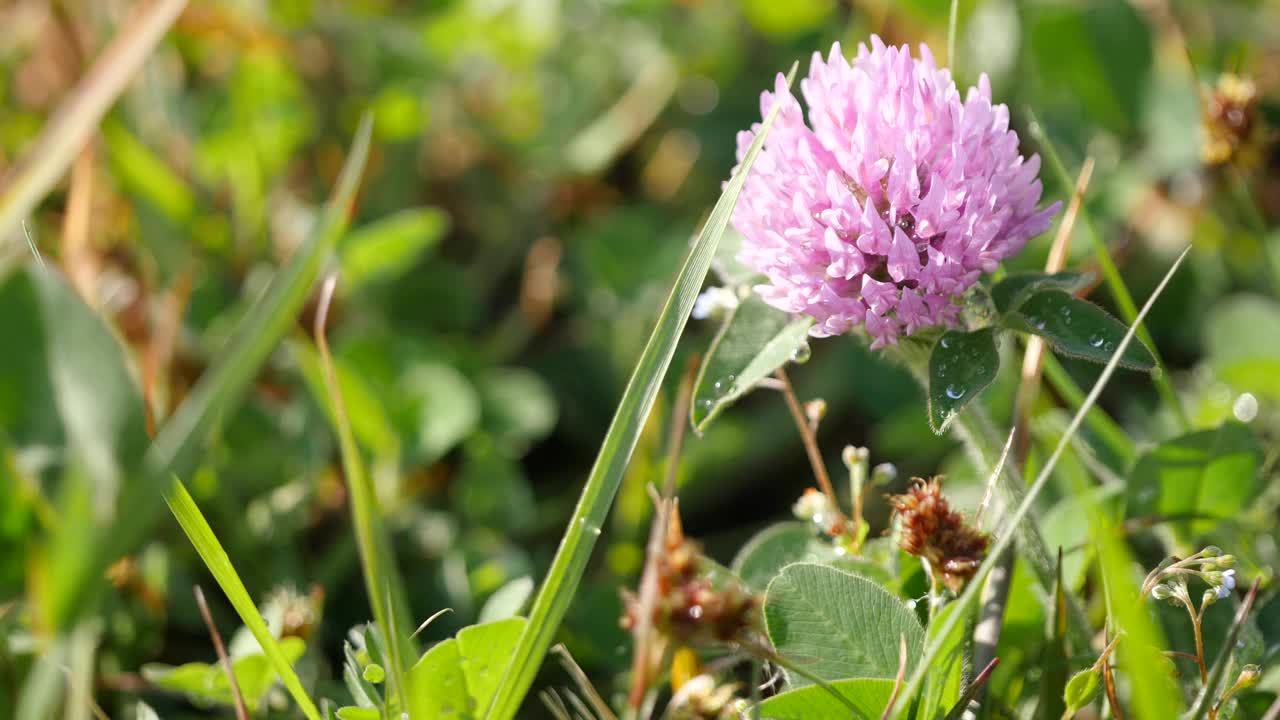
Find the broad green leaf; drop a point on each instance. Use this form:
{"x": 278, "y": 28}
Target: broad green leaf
{"x": 1062, "y": 523}
{"x": 1211, "y": 473}
{"x": 1077, "y": 328}
{"x": 775, "y": 547}
{"x": 507, "y": 601}
{"x": 838, "y": 625}
{"x": 961, "y": 366}
{"x": 389, "y": 247}
{"x": 458, "y": 677}
{"x": 1011, "y": 291}
{"x": 869, "y": 695}
{"x": 755, "y": 340}
{"x": 620, "y": 440}
{"x": 1242, "y": 340}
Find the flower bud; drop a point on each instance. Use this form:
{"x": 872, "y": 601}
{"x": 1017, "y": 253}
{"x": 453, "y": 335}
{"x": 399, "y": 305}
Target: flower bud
{"x": 1210, "y": 597}
{"x": 1161, "y": 592}
{"x": 1225, "y": 561}
{"x": 1211, "y": 551}
{"x": 1249, "y": 676}
{"x": 883, "y": 474}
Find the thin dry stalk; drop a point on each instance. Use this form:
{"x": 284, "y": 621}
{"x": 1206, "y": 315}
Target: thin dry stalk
{"x": 242, "y": 712}
{"x": 900, "y": 678}
{"x": 79, "y": 114}
{"x": 78, "y": 256}
{"x": 809, "y": 439}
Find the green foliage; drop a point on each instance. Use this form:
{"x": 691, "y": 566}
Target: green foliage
{"x": 459, "y": 677}
{"x": 1077, "y": 328}
{"x": 1197, "y": 480}
{"x": 961, "y": 366}
{"x": 754, "y": 341}
{"x": 838, "y": 625}
{"x": 868, "y": 695}
{"x": 207, "y": 683}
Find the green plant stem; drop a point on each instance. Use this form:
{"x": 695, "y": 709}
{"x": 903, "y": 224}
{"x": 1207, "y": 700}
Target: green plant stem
{"x": 1115, "y": 284}
{"x": 1253, "y": 217}
{"x": 953, "y": 20}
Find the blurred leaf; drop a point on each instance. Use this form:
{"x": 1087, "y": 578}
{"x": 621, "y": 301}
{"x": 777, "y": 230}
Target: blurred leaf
{"x": 391, "y": 246}
{"x": 70, "y": 390}
{"x": 447, "y": 408}
{"x": 1010, "y": 292}
{"x": 1209, "y": 472}
{"x": 492, "y": 489}
{"x": 785, "y": 19}
{"x": 519, "y": 408}
{"x": 1242, "y": 340}
{"x": 961, "y": 366}
{"x": 358, "y": 713}
{"x": 147, "y": 176}
{"x": 726, "y": 266}
{"x": 207, "y": 682}
{"x": 143, "y": 711}
{"x": 507, "y": 601}
{"x": 838, "y": 625}
{"x": 369, "y": 420}
{"x": 1061, "y": 526}
{"x": 869, "y": 695}
{"x": 458, "y": 677}
{"x": 1077, "y": 328}
{"x": 755, "y": 340}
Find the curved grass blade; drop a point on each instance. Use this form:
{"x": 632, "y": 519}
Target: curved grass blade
{"x": 606, "y": 475}
{"x": 175, "y": 450}
{"x": 1006, "y": 537}
{"x": 377, "y": 559}
{"x": 78, "y": 116}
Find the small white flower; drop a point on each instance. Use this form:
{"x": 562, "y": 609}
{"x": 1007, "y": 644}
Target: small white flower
{"x": 713, "y": 301}
{"x": 1229, "y": 579}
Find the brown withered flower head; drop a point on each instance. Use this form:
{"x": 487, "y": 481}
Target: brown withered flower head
{"x": 1230, "y": 120}
{"x": 933, "y": 531}
{"x": 688, "y": 606}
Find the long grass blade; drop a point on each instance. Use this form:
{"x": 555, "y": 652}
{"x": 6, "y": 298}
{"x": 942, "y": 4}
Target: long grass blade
{"x": 381, "y": 577}
{"x": 78, "y": 116}
{"x": 1006, "y": 537}
{"x": 176, "y": 447}
{"x": 219, "y": 563}
{"x": 602, "y": 485}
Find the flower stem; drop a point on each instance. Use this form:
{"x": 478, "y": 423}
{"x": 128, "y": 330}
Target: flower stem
{"x": 806, "y": 435}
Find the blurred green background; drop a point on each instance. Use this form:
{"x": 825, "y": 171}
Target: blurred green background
{"x": 537, "y": 172}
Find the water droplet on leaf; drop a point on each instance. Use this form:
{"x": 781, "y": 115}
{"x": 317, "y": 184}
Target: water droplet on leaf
{"x": 955, "y": 392}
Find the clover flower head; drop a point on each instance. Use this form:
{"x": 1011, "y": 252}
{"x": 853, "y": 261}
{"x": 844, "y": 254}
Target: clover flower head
{"x": 883, "y": 207}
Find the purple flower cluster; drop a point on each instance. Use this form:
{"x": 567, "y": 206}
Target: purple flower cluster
{"x": 887, "y": 206}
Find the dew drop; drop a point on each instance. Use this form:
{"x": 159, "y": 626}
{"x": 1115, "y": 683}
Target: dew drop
{"x": 718, "y": 387}
{"x": 944, "y": 343}
{"x": 1245, "y": 407}
{"x": 1036, "y": 321}
{"x": 955, "y": 392}
{"x": 1109, "y": 346}
{"x": 801, "y": 354}
{"x": 731, "y": 377}
{"x": 707, "y": 403}
{"x": 1096, "y": 340}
